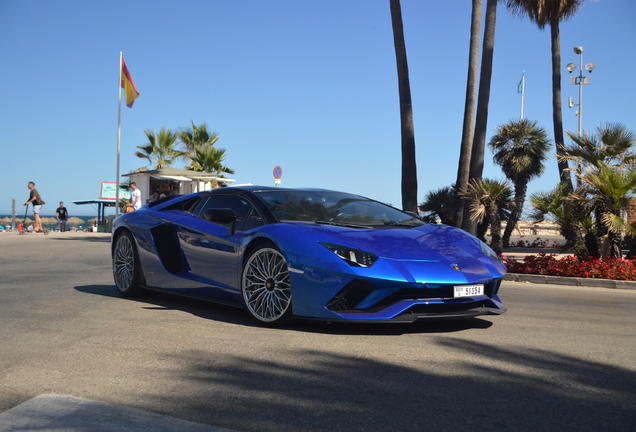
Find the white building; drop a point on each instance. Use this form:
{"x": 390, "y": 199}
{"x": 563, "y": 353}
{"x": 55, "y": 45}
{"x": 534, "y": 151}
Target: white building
{"x": 169, "y": 181}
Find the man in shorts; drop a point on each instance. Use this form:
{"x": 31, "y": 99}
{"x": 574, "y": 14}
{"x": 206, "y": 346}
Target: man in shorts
{"x": 135, "y": 197}
{"x": 34, "y": 197}
{"x": 62, "y": 215}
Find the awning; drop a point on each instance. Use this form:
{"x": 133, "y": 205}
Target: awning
{"x": 204, "y": 178}
{"x": 165, "y": 177}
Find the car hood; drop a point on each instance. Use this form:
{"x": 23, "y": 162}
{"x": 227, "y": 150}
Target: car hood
{"x": 423, "y": 243}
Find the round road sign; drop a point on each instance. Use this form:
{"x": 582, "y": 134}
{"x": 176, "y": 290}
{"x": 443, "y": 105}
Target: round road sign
{"x": 278, "y": 172}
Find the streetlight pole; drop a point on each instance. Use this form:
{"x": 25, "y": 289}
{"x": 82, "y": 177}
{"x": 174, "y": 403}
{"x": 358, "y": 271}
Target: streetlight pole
{"x": 580, "y": 80}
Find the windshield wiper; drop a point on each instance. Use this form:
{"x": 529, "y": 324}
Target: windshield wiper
{"x": 343, "y": 224}
{"x": 404, "y": 224}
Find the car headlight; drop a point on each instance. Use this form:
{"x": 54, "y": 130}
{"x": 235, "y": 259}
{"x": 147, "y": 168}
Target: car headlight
{"x": 486, "y": 250}
{"x": 353, "y": 257}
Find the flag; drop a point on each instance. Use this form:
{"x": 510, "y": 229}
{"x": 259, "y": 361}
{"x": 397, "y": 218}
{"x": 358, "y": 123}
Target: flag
{"x": 128, "y": 85}
{"x": 520, "y": 86}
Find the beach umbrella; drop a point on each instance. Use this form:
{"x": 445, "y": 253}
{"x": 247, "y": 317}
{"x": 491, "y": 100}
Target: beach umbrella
{"x": 75, "y": 221}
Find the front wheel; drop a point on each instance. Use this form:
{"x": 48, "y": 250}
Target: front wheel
{"x": 126, "y": 267}
{"x": 266, "y": 287}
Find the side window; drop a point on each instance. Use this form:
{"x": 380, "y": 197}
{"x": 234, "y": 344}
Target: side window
{"x": 196, "y": 210}
{"x": 241, "y": 207}
{"x": 253, "y": 220}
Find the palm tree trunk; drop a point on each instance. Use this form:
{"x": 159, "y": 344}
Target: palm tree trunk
{"x": 409, "y": 168}
{"x": 495, "y": 227}
{"x": 615, "y": 245}
{"x": 481, "y": 123}
{"x": 516, "y": 210}
{"x": 463, "y": 169}
{"x": 557, "y": 114}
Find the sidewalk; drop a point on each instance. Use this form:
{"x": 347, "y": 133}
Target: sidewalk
{"x": 53, "y": 412}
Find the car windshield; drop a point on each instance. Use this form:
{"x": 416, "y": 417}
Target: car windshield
{"x": 333, "y": 208}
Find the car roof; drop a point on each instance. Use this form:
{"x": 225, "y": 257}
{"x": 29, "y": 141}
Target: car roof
{"x": 254, "y": 188}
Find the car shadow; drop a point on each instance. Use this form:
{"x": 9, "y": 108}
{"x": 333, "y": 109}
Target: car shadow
{"x": 152, "y": 300}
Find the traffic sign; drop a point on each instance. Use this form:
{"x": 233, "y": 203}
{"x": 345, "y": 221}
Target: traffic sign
{"x": 278, "y": 172}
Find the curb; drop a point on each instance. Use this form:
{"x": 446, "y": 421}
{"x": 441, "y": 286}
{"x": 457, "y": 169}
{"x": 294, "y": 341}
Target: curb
{"x": 571, "y": 281}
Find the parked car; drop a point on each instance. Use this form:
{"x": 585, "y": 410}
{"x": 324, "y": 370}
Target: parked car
{"x": 305, "y": 253}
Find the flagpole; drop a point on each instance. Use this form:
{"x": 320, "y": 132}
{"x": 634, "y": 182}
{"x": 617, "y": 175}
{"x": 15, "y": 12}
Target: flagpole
{"x": 523, "y": 85}
{"x": 118, "y": 137}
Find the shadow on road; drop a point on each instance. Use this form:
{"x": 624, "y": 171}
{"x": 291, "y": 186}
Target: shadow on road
{"x": 100, "y": 239}
{"x": 486, "y": 389}
{"x": 232, "y": 315}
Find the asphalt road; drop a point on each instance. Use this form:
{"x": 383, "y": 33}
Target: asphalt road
{"x": 561, "y": 358}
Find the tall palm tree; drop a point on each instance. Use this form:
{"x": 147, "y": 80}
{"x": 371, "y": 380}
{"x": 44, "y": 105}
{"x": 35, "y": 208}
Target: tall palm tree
{"x": 160, "y": 149}
{"x": 439, "y": 204}
{"x": 552, "y": 13}
{"x": 520, "y": 147}
{"x": 409, "y": 168}
{"x": 196, "y": 136}
{"x": 463, "y": 170}
{"x": 481, "y": 122}
{"x": 488, "y": 200}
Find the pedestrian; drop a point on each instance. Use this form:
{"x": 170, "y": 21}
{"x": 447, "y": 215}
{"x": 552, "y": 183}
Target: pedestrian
{"x": 135, "y": 197}
{"x": 34, "y": 197}
{"x": 62, "y": 215}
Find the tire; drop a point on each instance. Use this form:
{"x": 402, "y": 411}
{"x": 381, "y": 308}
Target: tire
{"x": 126, "y": 267}
{"x": 266, "y": 287}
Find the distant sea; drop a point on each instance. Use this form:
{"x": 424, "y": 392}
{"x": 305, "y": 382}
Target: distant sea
{"x": 20, "y": 217}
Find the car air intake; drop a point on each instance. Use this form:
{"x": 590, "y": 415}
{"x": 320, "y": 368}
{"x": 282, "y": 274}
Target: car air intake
{"x": 350, "y": 296}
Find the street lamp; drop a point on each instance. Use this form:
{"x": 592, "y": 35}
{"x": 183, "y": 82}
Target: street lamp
{"x": 579, "y": 80}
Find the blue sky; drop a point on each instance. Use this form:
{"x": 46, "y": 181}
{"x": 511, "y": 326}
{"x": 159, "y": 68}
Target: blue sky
{"x": 310, "y": 85}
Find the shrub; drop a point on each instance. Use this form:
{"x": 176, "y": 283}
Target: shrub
{"x": 570, "y": 266}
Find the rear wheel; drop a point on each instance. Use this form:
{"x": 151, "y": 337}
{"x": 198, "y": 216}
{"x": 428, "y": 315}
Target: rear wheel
{"x": 266, "y": 287}
{"x": 126, "y": 267}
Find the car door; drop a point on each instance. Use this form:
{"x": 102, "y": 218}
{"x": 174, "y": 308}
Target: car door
{"x": 211, "y": 253}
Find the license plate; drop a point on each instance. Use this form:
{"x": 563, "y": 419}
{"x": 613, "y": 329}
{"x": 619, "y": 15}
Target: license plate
{"x": 468, "y": 290}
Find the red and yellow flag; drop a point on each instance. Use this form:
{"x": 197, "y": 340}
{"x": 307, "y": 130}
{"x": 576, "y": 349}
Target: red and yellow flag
{"x": 128, "y": 85}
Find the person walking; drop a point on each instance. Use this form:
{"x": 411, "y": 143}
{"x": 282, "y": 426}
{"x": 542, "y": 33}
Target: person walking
{"x": 34, "y": 197}
{"x": 135, "y": 197}
{"x": 62, "y": 215}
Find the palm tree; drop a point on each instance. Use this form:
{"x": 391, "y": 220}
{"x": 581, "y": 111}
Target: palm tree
{"x": 196, "y": 136}
{"x": 481, "y": 122}
{"x": 488, "y": 200}
{"x": 439, "y": 204}
{"x": 520, "y": 147}
{"x": 610, "y": 146}
{"x": 463, "y": 170}
{"x": 555, "y": 205}
{"x": 542, "y": 13}
{"x": 208, "y": 158}
{"x": 609, "y": 189}
{"x": 160, "y": 149}
{"x": 409, "y": 168}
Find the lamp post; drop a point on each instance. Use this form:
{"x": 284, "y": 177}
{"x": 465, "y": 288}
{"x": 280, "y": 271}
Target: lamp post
{"x": 579, "y": 80}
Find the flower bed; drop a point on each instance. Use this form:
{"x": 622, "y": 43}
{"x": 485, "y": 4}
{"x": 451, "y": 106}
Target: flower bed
{"x": 569, "y": 266}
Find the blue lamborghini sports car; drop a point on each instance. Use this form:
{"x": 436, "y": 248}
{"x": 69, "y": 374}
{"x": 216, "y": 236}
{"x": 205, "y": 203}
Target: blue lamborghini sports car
{"x": 305, "y": 253}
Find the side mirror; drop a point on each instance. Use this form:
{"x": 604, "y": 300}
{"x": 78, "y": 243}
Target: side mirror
{"x": 222, "y": 216}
